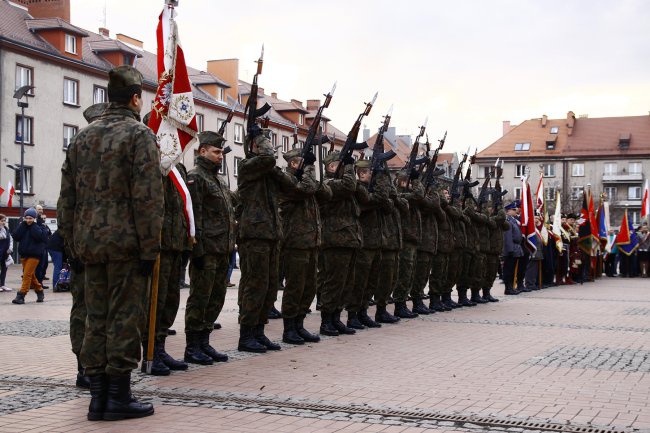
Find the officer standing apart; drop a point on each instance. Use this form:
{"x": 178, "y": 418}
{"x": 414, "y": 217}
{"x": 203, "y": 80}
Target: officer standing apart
{"x": 111, "y": 213}
{"x": 512, "y": 250}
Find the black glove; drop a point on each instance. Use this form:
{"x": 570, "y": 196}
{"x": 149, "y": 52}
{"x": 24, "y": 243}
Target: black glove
{"x": 254, "y": 131}
{"x": 198, "y": 262}
{"x": 77, "y": 266}
{"x": 348, "y": 160}
{"x": 414, "y": 174}
{"x": 299, "y": 174}
{"x": 309, "y": 158}
{"x": 146, "y": 267}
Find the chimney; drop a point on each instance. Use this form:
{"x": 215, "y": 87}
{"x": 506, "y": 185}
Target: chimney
{"x": 260, "y": 90}
{"x": 297, "y": 102}
{"x": 129, "y": 40}
{"x": 104, "y": 32}
{"x": 544, "y": 120}
{"x": 274, "y": 95}
{"x": 313, "y": 104}
{"x": 570, "y": 121}
{"x": 506, "y": 127}
{"x": 228, "y": 71}
{"x": 47, "y": 8}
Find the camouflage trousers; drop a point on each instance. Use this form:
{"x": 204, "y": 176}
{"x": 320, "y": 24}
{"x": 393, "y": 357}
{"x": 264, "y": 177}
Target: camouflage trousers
{"x": 454, "y": 269}
{"x": 116, "y": 294}
{"x": 438, "y": 275}
{"x": 366, "y": 279}
{"x": 207, "y": 292}
{"x": 258, "y": 286}
{"x": 336, "y": 277}
{"x": 473, "y": 268}
{"x": 491, "y": 270}
{"x": 299, "y": 267}
{"x": 407, "y": 258}
{"x": 388, "y": 270}
{"x": 169, "y": 294}
{"x": 423, "y": 263}
{"x": 77, "y": 312}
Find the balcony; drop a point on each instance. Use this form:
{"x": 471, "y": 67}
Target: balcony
{"x": 631, "y": 203}
{"x": 622, "y": 177}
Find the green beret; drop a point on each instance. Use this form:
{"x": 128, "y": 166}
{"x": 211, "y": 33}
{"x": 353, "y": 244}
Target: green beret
{"x": 146, "y": 118}
{"x": 333, "y": 156}
{"x": 293, "y": 153}
{"x": 211, "y": 138}
{"x": 363, "y": 163}
{"x": 123, "y": 77}
{"x": 94, "y": 111}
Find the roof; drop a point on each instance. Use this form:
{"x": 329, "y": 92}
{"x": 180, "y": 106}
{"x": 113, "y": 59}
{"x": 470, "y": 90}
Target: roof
{"x": 36, "y": 24}
{"x": 201, "y": 77}
{"x": 108, "y": 45}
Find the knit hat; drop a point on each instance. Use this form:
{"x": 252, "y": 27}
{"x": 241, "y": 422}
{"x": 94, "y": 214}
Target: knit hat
{"x": 31, "y": 212}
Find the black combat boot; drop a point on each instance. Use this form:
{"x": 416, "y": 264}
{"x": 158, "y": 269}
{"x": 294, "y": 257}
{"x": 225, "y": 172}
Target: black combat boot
{"x": 40, "y": 296}
{"x": 98, "y": 396}
{"x": 462, "y": 299}
{"x": 420, "y": 308}
{"x": 448, "y": 302}
{"x": 366, "y": 320}
{"x": 158, "y": 368}
{"x": 248, "y": 342}
{"x": 83, "y": 381}
{"x": 326, "y": 325}
{"x": 476, "y": 297}
{"x": 193, "y": 352}
{"x": 488, "y": 297}
{"x": 340, "y": 326}
{"x": 435, "y": 304}
{"x": 204, "y": 344}
{"x": 383, "y": 316}
{"x": 120, "y": 403}
{"x": 402, "y": 311}
{"x": 290, "y": 334}
{"x": 170, "y": 362}
{"x": 306, "y": 335}
{"x": 274, "y": 313}
{"x": 263, "y": 339}
{"x": 19, "y": 299}
{"x": 353, "y": 321}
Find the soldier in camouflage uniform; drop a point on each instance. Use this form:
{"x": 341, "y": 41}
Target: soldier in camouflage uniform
{"x": 214, "y": 219}
{"x": 412, "y": 236}
{"x": 455, "y": 264}
{"x": 301, "y": 227}
{"x": 479, "y": 221}
{"x": 497, "y": 226}
{"x": 440, "y": 260}
{"x": 78, "y": 310}
{"x": 341, "y": 242}
{"x": 111, "y": 213}
{"x": 366, "y": 273}
{"x": 260, "y": 232}
{"x": 470, "y": 256}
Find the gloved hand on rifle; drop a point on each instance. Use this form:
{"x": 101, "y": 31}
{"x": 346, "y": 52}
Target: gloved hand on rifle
{"x": 309, "y": 158}
{"x": 348, "y": 160}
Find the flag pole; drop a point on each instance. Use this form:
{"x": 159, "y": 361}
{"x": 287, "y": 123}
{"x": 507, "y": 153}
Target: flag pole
{"x": 153, "y": 311}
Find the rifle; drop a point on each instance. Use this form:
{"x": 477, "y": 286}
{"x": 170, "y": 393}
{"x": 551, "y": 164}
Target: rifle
{"x": 251, "y": 111}
{"x": 413, "y": 157}
{"x": 454, "y": 185}
{"x": 483, "y": 194}
{"x": 295, "y": 136}
{"x": 351, "y": 142}
{"x": 497, "y": 194}
{"x": 379, "y": 157}
{"x": 432, "y": 171}
{"x": 467, "y": 184}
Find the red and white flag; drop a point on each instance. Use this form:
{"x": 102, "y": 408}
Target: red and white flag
{"x": 540, "y": 205}
{"x": 527, "y": 217}
{"x": 173, "y": 118}
{"x": 645, "y": 204}
{"x": 11, "y": 191}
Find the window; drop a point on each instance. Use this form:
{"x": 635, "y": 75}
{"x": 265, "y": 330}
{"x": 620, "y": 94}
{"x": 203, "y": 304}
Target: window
{"x": 222, "y": 167}
{"x": 578, "y": 169}
{"x": 274, "y": 139}
{"x": 71, "y": 44}
{"x": 69, "y": 131}
{"x": 28, "y": 180}
{"x": 517, "y": 193}
{"x": 634, "y": 217}
{"x": 239, "y": 133}
{"x": 610, "y": 168}
{"x": 549, "y": 193}
{"x": 285, "y": 144}
{"x": 225, "y": 131}
{"x": 611, "y": 193}
{"x": 555, "y": 129}
{"x": 99, "y": 95}
{"x": 220, "y": 94}
{"x": 70, "y": 91}
{"x": 634, "y": 193}
{"x": 24, "y": 77}
{"x": 522, "y": 146}
{"x": 301, "y": 118}
{"x": 577, "y": 192}
{"x": 29, "y": 129}
{"x": 549, "y": 170}
{"x": 235, "y": 168}
{"x": 634, "y": 167}
{"x": 520, "y": 170}
{"x": 127, "y": 59}
{"x": 199, "y": 122}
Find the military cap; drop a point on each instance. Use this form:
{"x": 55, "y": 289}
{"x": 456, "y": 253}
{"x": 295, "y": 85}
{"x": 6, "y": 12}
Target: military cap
{"x": 94, "y": 111}
{"x": 332, "y": 157}
{"x": 363, "y": 163}
{"x": 211, "y": 138}
{"x": 124, "y": 77}
{"x": 513, "y": 205}
{"x": 293, "y": 153}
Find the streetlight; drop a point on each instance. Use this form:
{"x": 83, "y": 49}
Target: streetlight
{"x": 21, "y": 93}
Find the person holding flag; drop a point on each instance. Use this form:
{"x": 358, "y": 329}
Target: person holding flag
{"x": 627, "y": 243}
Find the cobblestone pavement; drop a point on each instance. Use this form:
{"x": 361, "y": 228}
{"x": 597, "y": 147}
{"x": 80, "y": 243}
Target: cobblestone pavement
{"x": 573, "y": 359}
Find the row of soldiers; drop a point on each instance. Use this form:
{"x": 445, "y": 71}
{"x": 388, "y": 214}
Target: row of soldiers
{"x": 353, "y": 237}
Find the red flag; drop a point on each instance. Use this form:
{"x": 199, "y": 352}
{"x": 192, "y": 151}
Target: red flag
{"x": 626, "y": 239}
{"x": 592, "y": 219}
{"x": 12, "y": 192}
{"x": 584, "y": 230}
{"x": 527, "y": 217}
{"x": 645, "y": 204}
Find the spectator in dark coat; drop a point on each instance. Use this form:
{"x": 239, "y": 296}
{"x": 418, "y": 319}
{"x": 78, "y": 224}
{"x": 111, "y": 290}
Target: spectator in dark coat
{"x": 31, "y": 235}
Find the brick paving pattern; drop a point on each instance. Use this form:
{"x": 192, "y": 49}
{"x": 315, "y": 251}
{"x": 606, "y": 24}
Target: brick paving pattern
{"x": 560, "y": 359}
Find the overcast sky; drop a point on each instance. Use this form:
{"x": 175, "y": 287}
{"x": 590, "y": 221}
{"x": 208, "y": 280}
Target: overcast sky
{"x": 466, "y": 64}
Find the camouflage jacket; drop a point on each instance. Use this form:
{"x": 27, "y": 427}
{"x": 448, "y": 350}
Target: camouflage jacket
{"x": 479, "y": 228}
{"x": 411, "y": 218}
{"x": 430, "y": 212}
{"x": 446, "y": 239}
{"x": 340, "y": 215}
{"x": 496, "y": 232}
{"x": 391, "y": 223}
{"x": 214, "y": 215}
{"x": 372, "y": 205}
{"x": 458, "y": 226}
{"x": 111, "y": 201}
{"x": 299, "y": 212}
{"x": 174, "y": 236}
